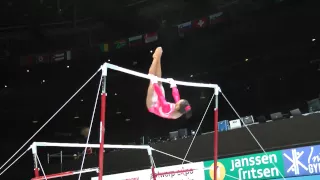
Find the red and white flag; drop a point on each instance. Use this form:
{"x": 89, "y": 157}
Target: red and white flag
{"x": 150, "y": 37}
{"x": 200, "y": 23}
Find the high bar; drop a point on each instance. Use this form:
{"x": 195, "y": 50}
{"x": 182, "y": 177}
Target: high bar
{"x": 135, "y": 73}
{"x": 110, "y": 146}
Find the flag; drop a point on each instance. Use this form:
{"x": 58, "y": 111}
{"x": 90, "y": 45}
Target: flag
{"x": 120, "y": 44}
{"x": 150, "y": 37}
{"x": 68, "y": 55}
{"x": 61, "y": 56}
{"x": 27, "y": 60}
{"x": 200, "y": 23}
{"x": 184, "y": 27}
{"x": 43, "y": 59}
{"x": 216, "y": 18}
{"x": 104, "y": 47}
{"x": 135, "y": 41}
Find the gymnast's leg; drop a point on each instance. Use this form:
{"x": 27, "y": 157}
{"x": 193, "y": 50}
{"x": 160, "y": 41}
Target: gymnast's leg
{"x": 155, "y": 69}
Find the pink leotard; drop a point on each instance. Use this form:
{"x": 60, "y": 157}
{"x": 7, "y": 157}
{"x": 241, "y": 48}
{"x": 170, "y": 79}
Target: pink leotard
{"x": 161, "y": 107}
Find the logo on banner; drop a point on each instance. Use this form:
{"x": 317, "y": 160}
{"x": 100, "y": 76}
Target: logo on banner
{"x": 255, "y": 166}
{"x": 221, "y": 171}
{"x": 192, "y": 171}
{"x": 302, "y": 161}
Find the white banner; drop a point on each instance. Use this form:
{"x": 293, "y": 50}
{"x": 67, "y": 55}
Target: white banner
{"x": 192, "y": 171}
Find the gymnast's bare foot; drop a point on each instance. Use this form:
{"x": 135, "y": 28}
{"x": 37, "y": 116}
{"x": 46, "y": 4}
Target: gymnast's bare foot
{"x": 157, "y": 53}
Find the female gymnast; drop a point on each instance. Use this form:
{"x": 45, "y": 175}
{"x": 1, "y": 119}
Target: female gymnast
{"x": 156, "y": 101}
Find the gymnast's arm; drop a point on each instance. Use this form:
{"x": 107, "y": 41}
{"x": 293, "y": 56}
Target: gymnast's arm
{"x": 175, "y": 91}
{"x": 175, "y": 94}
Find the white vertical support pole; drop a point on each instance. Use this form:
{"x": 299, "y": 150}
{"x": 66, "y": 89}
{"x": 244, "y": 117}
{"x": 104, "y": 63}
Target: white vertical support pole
{"x": 35, "y": 160}
{"x": 154, "y": 175}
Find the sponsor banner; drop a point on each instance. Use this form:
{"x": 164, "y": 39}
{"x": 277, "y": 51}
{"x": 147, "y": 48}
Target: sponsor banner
{"x": 192, "y": 171}
{"x": 316, "y": 177}
{"x": 302, "y": 161}
{"x": 255, "y": 166}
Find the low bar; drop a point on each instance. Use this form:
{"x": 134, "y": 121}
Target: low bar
{"x": 110, "y": 146}
{"x": 64, "y": 174}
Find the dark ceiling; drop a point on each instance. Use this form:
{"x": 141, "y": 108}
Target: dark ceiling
{"x": 275, "y": 38}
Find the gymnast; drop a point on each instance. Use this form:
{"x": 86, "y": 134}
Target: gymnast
{"x": 156, "y": 101}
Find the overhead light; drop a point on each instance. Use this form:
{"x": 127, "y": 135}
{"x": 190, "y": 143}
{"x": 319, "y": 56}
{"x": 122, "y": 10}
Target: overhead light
{"x": 115, "y": 94}
{"x": 34, "y": 122}
{"x": 28, "y": 70}
{"x": 68, "y": 66}
{"x": 202, "y": 96}
{"x": 127, "y": 120}
{"x": 247, "y": 60}
{"x": 76, "y": 116}
{"x": 118, "y": 112}
{"x": 43, "y": 80}
{"x": 193, "y": 132}
{"x": 313, "y": 39}
{"x": 134, "y": 63}
{"x": 5, "y": 86}
{"x": 109, "y": 60}
{"x": 81, "y": 100}
{"x": 191, "y": 75}
{"x": 151, "y": 51}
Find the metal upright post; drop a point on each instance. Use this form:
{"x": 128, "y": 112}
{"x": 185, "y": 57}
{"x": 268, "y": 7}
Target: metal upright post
{"x": 215, "y": 141}
{"x": 154, "y": 175}
{"x": 35, "y": 160}
{"x": 102, "y": 119}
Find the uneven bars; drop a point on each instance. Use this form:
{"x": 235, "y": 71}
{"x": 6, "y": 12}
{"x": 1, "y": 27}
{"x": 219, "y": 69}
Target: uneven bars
{"x": 64, "y": 174}
{"x": 128, "y": 71}
{"x": 111, "y": 146}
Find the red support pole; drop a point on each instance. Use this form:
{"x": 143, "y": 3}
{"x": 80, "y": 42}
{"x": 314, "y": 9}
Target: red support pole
{"x": 36, "y": 172}
{"x": 154, "y": 175}
{"x": 102, "y": 120}
{"x": 215, "y": 141}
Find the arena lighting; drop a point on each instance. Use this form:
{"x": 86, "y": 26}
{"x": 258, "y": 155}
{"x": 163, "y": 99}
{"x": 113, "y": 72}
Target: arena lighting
{"x": 68, "y": 66}
{"x": 193, "y": 132}
{"x": 76, "y": 116}
{"x": 28, "y": 70}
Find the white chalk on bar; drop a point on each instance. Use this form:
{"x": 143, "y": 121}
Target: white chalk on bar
{"x": 146, "y": 76}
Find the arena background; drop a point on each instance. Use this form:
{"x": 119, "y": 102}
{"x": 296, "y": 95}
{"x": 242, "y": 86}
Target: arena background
{"x": 264, "y": 55}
